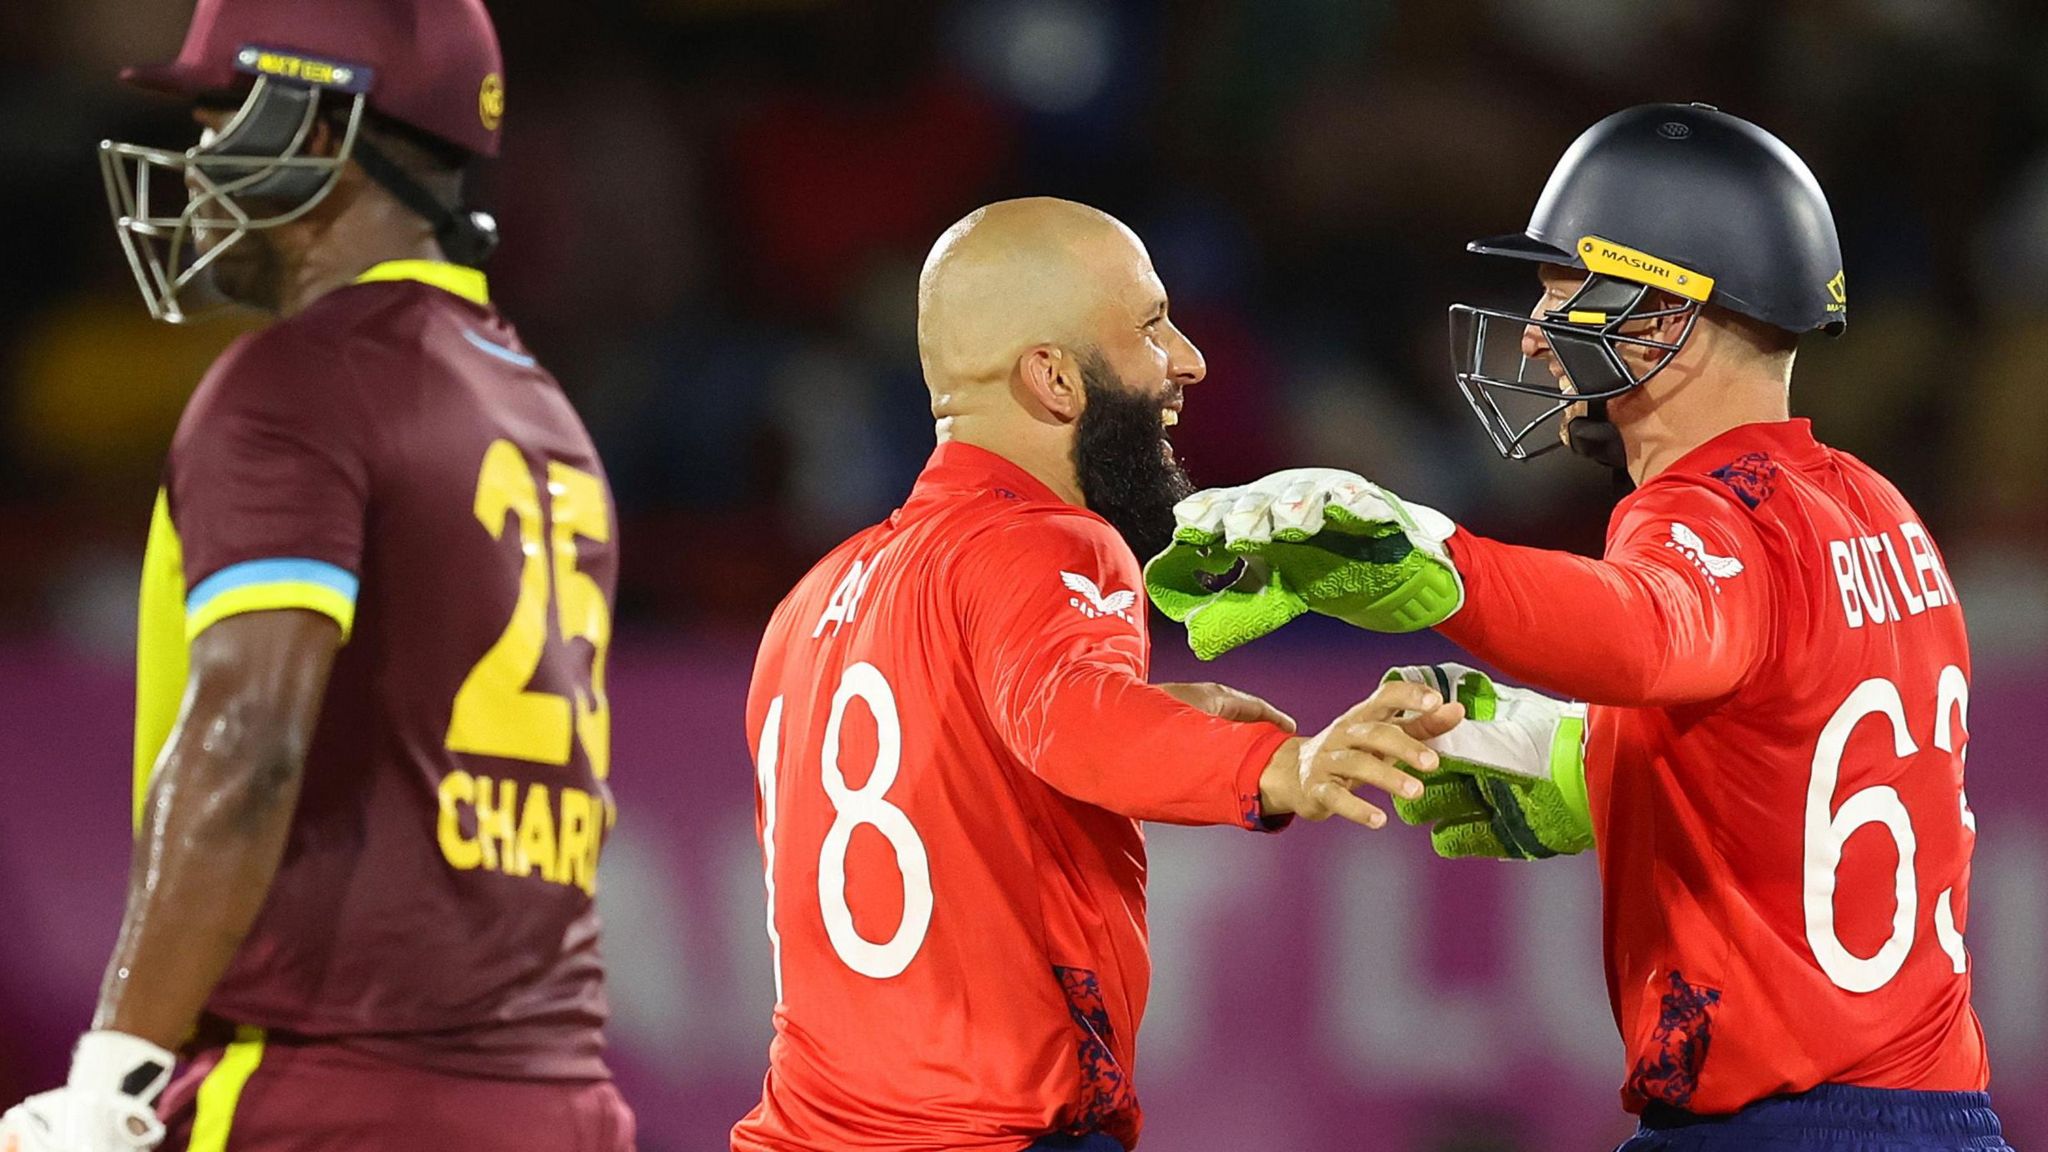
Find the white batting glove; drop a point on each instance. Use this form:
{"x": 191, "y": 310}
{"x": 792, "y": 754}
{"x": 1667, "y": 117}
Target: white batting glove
{"x": 106, "y": 1105}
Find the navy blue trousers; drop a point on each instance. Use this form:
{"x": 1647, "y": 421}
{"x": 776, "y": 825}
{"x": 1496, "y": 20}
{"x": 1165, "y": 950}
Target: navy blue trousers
{"x": 1831, "y": 1118}
{"x": 1094, "y": 1142}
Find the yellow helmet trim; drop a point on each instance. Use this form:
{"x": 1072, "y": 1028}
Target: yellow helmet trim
{"x": 1624, "y": 262}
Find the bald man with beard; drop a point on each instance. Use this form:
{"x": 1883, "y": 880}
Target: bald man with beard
{"x": 955, "y": 741}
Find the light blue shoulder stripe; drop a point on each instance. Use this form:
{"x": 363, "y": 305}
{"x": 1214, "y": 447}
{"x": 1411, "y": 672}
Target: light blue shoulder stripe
{"x": 496, "y": 349}
{"x": 277, "y": 571}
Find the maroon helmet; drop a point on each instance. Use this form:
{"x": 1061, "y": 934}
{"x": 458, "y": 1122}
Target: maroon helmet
{"x": 431, "y": 66}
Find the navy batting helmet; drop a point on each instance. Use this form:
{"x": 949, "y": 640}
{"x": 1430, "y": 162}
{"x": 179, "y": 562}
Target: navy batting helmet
{"x": 1680, "y": 199}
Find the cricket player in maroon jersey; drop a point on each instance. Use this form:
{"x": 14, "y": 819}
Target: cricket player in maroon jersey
{"x": 372, "y": 738}
{"x": 955, "y": 739}
{"x": 1771, "y": 673}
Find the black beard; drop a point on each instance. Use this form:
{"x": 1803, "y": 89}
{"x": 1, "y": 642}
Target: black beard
{"x": 1127, "y": 471}
{"x": 251, "y": 273}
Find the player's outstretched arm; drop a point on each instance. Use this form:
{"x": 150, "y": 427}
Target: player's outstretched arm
{"x": 1374, "y": 744}
{"x": 220, "y": 808}
{"x": 1230, "y": 704}
{"x": 1059, "y": 660}
{"x": 1246, "y": 560}
{"x": 1678, "y": 612}
{"x": 1670, "y": 616}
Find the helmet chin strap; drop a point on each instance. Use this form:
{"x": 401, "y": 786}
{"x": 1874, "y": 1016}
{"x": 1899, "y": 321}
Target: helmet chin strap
{"x": 466, "y": 237}
{"x": 1596, "y": 438}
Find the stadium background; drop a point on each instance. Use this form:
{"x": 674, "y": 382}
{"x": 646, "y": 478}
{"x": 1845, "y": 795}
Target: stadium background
{"x": 714, "y": 213}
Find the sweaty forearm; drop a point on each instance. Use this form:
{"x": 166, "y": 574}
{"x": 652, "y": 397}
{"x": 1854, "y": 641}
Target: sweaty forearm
{"x": 218, "y": 816}
{"x": 215, "y": 829}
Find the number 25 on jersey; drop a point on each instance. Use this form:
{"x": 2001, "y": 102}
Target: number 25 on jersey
{"x": 496, "y": 713}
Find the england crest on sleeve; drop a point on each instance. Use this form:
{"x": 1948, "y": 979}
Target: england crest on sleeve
{"x": 1687, "y": 543}
{"x": 1090, "y": 601}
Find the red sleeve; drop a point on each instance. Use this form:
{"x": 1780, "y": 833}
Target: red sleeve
{"x": 271, "y": 460}
{"x": 1680, "y": 610}
{"x": 1051, "y": 607}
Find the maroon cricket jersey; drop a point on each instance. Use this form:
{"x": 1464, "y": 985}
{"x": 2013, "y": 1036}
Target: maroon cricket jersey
{"x": 392, "y": 457}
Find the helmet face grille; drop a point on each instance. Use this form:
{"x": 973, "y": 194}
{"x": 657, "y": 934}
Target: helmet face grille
{"x": 1514, "y": 394}
{"x": 177, "y": 212}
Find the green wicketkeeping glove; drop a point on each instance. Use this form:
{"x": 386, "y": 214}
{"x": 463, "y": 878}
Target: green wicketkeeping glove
{"x": 1223, "y": 599}
{"x": 1511, "y": 779}
{"x": 1313, "y": 539}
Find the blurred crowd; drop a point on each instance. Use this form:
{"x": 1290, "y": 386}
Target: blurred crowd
{"x": 715, "y": 210}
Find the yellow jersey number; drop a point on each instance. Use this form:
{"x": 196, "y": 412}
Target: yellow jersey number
{"x": 496, "y": 713}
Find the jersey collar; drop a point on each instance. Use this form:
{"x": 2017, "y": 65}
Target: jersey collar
{"x": 468, "y": 283}
{"x": 1788, "y": 440}
{"x": 958, "y": 466}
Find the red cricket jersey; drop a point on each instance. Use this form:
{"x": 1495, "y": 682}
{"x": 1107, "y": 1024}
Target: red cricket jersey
{"x": 955, "y": 743}
{"x": 1779, "y": 678}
